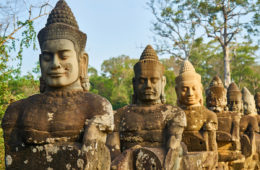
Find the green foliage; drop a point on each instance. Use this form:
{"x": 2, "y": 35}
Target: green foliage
{"x": 115, "y": 83}
{"x": 2, "y": 150}
{"x": 179, "y": 24}
{"x": 115, "y": 80}
{"x": 245, "y": 69}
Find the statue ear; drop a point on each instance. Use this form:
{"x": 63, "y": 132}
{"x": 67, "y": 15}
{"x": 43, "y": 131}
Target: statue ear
{"x": 163, "y": 97}
{"x": 83, "y": 65}
{"x": 134, "y": 81}
{"x": 163, "y": 82}
{"x": 83, "y": 71}
{"x": 40, "y": 57}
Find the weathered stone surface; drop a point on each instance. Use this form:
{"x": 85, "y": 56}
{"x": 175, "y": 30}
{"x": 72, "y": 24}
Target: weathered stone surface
{"x": 200, "y": 160}
{"x": 200, "y": 133}
{"x": 234, "y": 97}
{"x": 64, "y": 127}
{"x": 257, "y": 102}
{"x": 147, "y": 132}
{"x": 228, "y": 139}
{"x": 248, "y": 102}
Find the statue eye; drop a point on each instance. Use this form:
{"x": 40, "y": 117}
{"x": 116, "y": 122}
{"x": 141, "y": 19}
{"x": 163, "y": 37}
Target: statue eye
{"x": 184, "y": 89}
{"x": 142, "y": 80}
{"x": 46, "y": 56}
{"x": 64, "y": 55}
{"x": 154, "y": 80}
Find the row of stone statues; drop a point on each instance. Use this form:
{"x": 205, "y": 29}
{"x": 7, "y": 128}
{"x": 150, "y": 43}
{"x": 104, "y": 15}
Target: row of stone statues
{"x": 66, "y": 127}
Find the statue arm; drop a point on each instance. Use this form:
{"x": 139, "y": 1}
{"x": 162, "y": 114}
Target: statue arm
{"x": 97, "y": 128}
{"x": 9, "y": 125}
{"x": 235, "y": 128}
{"x": 175, "y": 129}
{"x": 113, "y": 143}
{"x": 174, "y": 149}
{"x": 211, "y": 127}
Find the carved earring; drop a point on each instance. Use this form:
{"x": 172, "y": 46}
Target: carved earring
{"x": 42, "y": 85}
{"x": 84, "y": 81}
{"x": 163, "y": 98}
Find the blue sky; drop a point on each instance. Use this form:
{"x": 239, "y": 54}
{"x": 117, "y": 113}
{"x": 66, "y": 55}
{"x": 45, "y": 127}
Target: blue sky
{"x": 113, "y": 28}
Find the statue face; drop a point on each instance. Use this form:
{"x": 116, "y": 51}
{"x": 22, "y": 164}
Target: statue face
{"x": 59, "y": 63}
{"x": 148, "y": 86}
{"x": 189, "y": 93}
{"x": 249, "y": 107}
{"x": 235, "y": 105}
{"x": 216, "y": 104}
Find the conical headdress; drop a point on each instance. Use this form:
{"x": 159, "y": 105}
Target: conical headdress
{"x": 148, "y": 61}
{"x": 187, "y": 73}
{"x": 216, "y": 88}
{"x": 234, "y": 93}
{"x": 61, "y": 24}
{"x": 246, "y": 95}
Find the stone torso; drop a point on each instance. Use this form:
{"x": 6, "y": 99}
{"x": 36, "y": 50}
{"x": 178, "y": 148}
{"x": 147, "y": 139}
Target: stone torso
{"x": 199, "y": 120}
{"x": 226, "y": 121}
{"x": 45, "y": 118}
{"x": 249, "y": 123}
{"x": 46, "y": 130}
{"x": 146, "y": 126}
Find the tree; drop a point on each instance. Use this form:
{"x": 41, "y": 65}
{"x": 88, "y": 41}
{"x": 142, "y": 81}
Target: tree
{"x": 175, "y": 30}
{"x": 245, "y": 68}
{"x": 223, "y": 20}
{"x": 16, "y": 33}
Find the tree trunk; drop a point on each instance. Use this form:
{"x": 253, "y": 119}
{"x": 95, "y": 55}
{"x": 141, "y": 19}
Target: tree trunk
{"x": 227, "y": 73}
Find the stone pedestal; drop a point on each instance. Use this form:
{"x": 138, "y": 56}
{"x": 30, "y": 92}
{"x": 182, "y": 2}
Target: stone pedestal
{"x": 59, "y": 156}
{"x": 200, "y": 160}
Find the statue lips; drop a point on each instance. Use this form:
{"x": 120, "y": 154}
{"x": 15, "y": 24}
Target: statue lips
{"x": 148, "y": 92}
{"x": 191, "y": 99}
{"x": 56, "y": 74}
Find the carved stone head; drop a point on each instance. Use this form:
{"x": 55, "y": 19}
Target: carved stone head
{"x": 149, "y": 81}
{"x": 216, "y": 95}
{"x": 63, "y": 60}
{"x": 248, "y": 102}
{"x": 188, "y": 86}
{"x": 234, "y": 98}
{"x": 257, "y": 102}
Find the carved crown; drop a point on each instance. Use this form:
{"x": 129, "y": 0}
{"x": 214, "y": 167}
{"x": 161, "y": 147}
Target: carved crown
{"x": 148, "y": 61}
{"x": 61, "y": 24}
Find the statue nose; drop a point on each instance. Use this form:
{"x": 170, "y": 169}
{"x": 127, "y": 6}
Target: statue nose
{"x": 190, "y": 92}
{"x": 148, "y": 84}
{"x": 55, "y": 62}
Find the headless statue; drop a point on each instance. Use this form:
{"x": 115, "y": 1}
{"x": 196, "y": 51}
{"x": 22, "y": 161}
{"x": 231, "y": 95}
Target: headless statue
{"x": 64, "y": 127}
{"x": 148, "y": 132}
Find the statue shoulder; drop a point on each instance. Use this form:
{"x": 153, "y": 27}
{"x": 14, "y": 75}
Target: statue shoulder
{"x": 97, "y": 104}
{"x": 249, "y": 121}
{"x": 210, "y": 115}
{"x": 102, "y": 112}
{"x": 211, "y": 119}
{"x": 12, "y": 113}
{"x": 119, "y": 113}
{"x": 177, "y": 116}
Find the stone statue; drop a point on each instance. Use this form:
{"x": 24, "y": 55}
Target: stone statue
{"x": 64, "y": 127}
{"x": 148, "y": 133}
{"x": 234, "y": 97}
{"x": 257, "y": 102}
{"x": 200, "y": 133}
{"x": 248, "y": 129}
{"x": 228, "y": 140}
